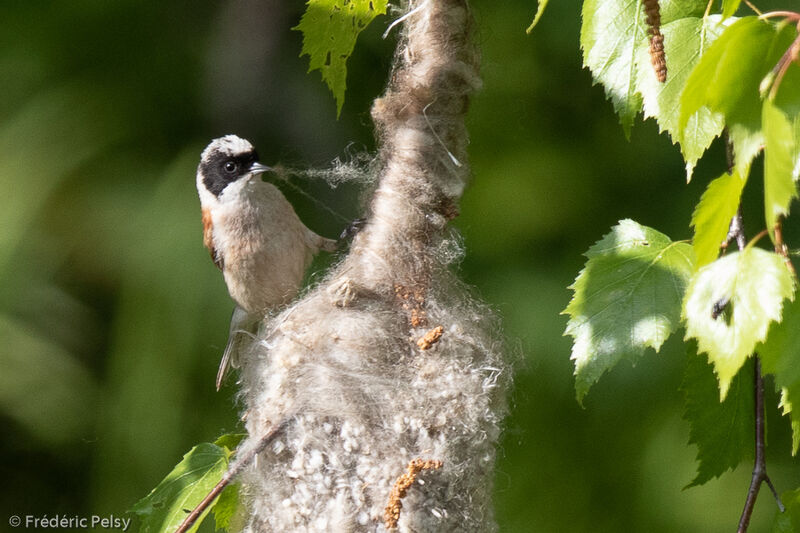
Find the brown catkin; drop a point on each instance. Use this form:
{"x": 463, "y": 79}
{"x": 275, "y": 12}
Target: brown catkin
{"x": 657, "y": 57}
{"x": 430, "y": 338}
{"x": 391, "y": 515}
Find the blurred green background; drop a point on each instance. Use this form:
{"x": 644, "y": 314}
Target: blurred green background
{"x": 113, "y": 317}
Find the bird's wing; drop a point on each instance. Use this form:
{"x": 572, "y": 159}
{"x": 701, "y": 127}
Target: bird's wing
{"x": 208, "y": 238}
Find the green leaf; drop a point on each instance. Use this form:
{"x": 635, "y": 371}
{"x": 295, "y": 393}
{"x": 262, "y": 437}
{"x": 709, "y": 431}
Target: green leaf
{"x": 790, "y": 396}
{"x": 672, "y": 10}
{"x": 729, "y": 7}
{"x": 538, "y": 17}
{"x": 780, "y": 355}
{"x": 167, "y": 505}
{"x": 686, "y": 40}
{"x": 611, "y": 31}
{"x": 782, "y": 523}
{"x": 712, "y": 217}
{"x": 779, "y": 154}
{"x": 747, "y": 143}
{"x": 787, "y": 93}
{"x": 729, "y": 306}
{"x": 627, "y": 298}
{"x": 612, "y": 34}
{"x": 727, "y": 79}
{"x": 796, "y": 168}
{"x": 330, "y": 29}
{"x": 726, "y": 60}
{"x": 789, "y": 520}
{"x": 230, "y": 441}
{"x": 226, "y": 507}
{"x": 722, "y": 431}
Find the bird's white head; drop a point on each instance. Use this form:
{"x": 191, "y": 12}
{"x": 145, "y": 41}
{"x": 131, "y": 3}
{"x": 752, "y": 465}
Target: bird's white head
{"x": 225, "y": 161}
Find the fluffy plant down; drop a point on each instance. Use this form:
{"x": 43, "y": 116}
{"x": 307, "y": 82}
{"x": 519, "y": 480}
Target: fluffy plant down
{"x": 389, "y": 362}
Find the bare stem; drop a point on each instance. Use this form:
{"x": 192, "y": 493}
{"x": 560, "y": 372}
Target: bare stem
{"x": 233, "y": 471}
{"x": 760, "y": 464}
{"x": 708, "y": 9}
{"x": 735, "y": 232}
{"x": 791, "y": 15}
{"x": 736, "y": 228}
{"x": 754, "y": 8}
{"x": 730, "y": 155}
{"x": 781, "y": 248}
{"x": 783, "y": 65}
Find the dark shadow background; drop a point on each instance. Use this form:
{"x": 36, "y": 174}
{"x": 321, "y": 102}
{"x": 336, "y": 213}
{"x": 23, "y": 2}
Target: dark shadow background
{"x": 113, "y": 317}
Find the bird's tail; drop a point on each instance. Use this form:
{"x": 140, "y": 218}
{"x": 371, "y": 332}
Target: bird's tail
{"x": 241, "y": 323}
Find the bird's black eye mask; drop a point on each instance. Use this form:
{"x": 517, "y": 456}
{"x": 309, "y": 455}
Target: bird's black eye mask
{"x": 220, "y": 169}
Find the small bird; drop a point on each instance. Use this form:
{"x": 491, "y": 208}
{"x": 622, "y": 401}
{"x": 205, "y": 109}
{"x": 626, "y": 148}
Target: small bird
{"x": 253, "y": 234}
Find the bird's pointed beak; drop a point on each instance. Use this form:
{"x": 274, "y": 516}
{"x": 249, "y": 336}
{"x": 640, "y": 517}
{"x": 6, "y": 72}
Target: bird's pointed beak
{"x": 258, "y": 168}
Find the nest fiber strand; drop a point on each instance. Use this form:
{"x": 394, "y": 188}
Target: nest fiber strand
{"x": 343, "y": 364}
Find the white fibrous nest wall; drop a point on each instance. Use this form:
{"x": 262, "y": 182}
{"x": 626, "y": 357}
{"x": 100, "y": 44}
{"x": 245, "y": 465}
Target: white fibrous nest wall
{"x": 388, "y": 379}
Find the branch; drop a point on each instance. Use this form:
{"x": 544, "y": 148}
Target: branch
{"x": 781, "y": 248}
{"x": 233, "y": 470}
{"x": 736, "y": 232}
{"x": 760, "y": 464}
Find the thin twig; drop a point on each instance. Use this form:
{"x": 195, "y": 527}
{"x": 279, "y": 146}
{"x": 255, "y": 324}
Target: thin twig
{"x": 760, "y": 464}
{"x": 233, "y": 471}
{"x": 735, "y": 232}
{"x": 754, "y": 8}
{"x": 775, "y": 495}
{"x": 791, "y": 15}
{"x": 782, "y": 66}
{"x": 708, "y": 9}
{"x": 780, "y": 246}
{"x": 759, "y": 467}
{"x": 730, "y": 154}
{"x": 761, "y": 234}
{"x": 736, "y": 228}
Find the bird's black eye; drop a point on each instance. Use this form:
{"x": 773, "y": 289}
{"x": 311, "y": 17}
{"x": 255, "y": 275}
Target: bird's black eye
{"x": 231, "y": 167}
